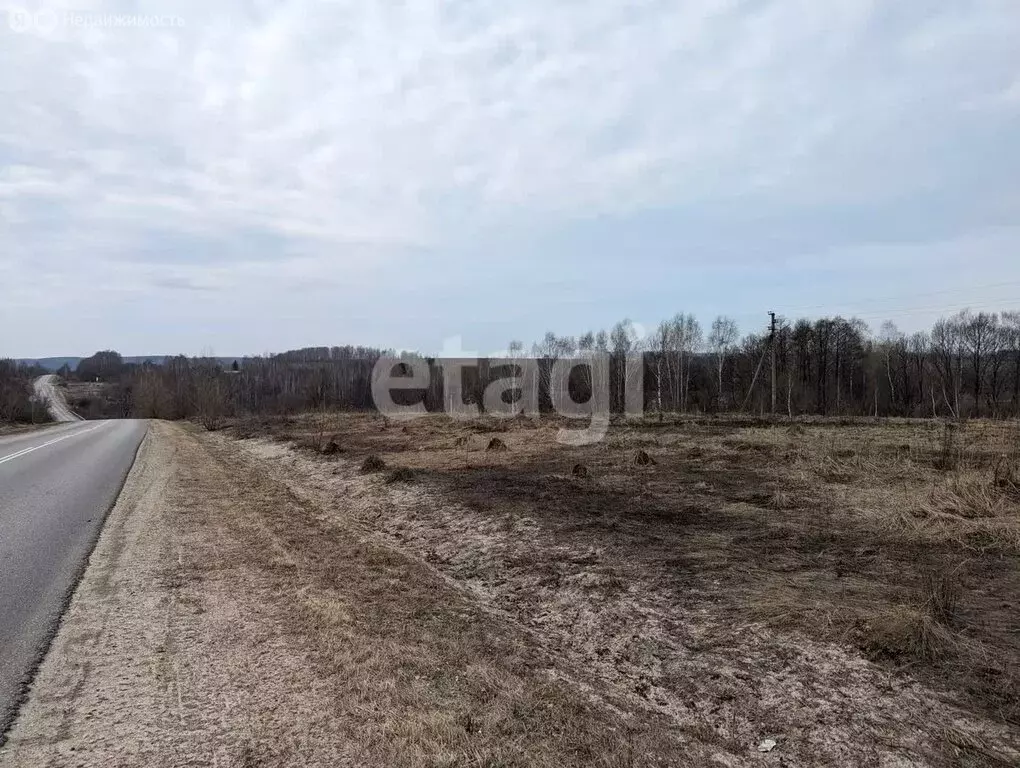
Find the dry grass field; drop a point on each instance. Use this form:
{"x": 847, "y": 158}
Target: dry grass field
{"x": 847, "y": 590}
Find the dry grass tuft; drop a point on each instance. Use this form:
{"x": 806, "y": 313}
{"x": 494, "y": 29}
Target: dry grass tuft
{"x": 403, "y": 475}
{"x": 969, "y": 511}
{"x": 495, "y": 444}
{"x": 942, "y": 592}
{"x": 908, "y": 633}
{"x": 580, "y": 470}
{"x": 833, "y": 471}
{"x": 373, "y": 464}
{"x": 928, "y": 631}
{"x": 949, "y": 448}
{"x": 1007, "y": 476}
{"x": 966, "y": 748}
{"x": 967, "y": 497}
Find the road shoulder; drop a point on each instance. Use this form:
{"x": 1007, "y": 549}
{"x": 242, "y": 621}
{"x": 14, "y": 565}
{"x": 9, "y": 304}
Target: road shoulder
{"x": 225, "y": 621}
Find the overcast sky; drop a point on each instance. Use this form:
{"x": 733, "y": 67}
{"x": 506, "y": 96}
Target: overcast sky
{"x": 250, "y": 177}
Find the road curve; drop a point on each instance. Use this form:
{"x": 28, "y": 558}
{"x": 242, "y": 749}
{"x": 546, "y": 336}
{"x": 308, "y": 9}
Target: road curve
{"x": 56, "y": 486}
{"x": 47, "y": 390}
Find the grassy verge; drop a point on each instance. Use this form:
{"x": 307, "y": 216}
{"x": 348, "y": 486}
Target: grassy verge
{"x": 849, "y": 587}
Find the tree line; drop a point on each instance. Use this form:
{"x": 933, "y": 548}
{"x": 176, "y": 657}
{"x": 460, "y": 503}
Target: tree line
{"x": 966, "y": 365}
{"x": 16, "y": 403}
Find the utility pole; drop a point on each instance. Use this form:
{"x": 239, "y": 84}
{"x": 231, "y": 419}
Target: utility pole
{"x": 772, "y": 346}
{"x": 754, "y": 379}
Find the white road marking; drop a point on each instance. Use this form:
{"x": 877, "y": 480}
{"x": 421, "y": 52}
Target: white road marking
{"x": 13, "y": 456}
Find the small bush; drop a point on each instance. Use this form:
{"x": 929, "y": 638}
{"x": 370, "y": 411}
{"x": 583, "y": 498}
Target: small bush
{"x": 212, "y": 423}
{"x": 373, "y": 464}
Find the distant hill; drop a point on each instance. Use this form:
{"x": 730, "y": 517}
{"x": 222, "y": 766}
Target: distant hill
{"x": 54, "y": 364}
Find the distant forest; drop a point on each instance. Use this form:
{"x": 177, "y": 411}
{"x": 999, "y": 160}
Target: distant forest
{"x": 16, "y": 392}
{"x": 967, "y": 365}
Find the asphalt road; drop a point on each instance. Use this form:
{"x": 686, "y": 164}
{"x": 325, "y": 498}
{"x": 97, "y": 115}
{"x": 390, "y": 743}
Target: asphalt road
{"x": 56, "y": 486}
{"x": 46, "y": 389}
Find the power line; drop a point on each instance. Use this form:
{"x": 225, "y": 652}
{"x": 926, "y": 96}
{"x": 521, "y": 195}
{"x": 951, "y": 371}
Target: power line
{"x": 894, "y": 313}
{"x": 906, "y": 312}
{"x": 899, "y": 298}
{"x": 891, "y": 312}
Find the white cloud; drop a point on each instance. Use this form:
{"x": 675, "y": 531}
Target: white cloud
{"x": 340, "y": 126}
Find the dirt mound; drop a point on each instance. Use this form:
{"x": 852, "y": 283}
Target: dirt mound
{"x": 580, "y": 470}
{"x": 642, "y": 459}
{"x": 495, "y": 444}
{"x": 403, "y": 475}
{"x": 330, "y": 448}
{"x": 373, "y": 464}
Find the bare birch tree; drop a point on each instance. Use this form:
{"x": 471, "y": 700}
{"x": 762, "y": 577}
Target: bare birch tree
{"x": 723, "y": 336}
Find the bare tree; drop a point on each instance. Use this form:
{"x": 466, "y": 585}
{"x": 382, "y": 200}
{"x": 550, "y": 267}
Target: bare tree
{"x": 515, "y": 353}
{"x": 980, "y": 333}
{"x": 947, "y": 357}
{"x": 210, "y": 397}
{"x": 663, "y": 341}
{"x": 998, "y": 351}
{"x": 685, "y": 342}
{"x": 586, "y": 351}
{"x": 918, "y": 352}
{"x": 721, "y": 338}
{"x": 1011, "y": 328}
{"x": 891, "y": 342}
{"x": 623, "y": 340}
